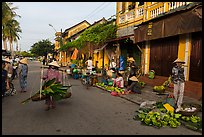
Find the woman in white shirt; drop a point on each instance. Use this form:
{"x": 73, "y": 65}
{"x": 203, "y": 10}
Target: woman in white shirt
{"x": 119, "y": 81}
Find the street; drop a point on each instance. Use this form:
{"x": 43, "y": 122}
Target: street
{"x": 87, "y": 112}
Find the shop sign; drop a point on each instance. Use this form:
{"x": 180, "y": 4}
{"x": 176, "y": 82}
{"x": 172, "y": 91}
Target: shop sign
{"x": 149, "y": 30}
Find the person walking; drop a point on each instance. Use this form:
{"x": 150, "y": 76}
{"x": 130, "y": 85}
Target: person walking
{"x": 178, "y": 80}
{"x": 4, "y": 82}
{"x": 9, "y": 68}
{"x": 51, "y": 73}
{"x": 89, "y": 63}
{"x": 23, "y": 73}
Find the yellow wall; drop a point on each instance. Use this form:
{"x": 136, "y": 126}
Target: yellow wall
{"x": 182, "y": 47}
{"x": 77, "y": 29}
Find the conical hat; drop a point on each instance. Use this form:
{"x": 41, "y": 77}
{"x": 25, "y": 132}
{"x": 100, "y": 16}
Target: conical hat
{"x": 7, "y": 60}
{"x": 109, "y": 73}
{"x": 54, "y": 63}
{"x": 133, "y": 78}
{"x": 130, "y": 59}
{"x": 24, "y": 61}
{"x": 178, "y": 61}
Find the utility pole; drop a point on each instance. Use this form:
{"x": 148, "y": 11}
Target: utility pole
{"x": 60, "y": 42}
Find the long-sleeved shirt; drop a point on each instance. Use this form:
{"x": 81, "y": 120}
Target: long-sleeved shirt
{"x": 178, "y": 74}
{"x": 52, "y": 73}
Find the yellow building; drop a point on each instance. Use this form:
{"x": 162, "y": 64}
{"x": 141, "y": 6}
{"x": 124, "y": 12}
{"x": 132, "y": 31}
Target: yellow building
{"x": 68, "y": 35}
{"x": 151, "y": 27}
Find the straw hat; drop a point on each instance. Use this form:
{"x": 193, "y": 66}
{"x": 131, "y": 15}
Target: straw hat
{"x": 24, "y": 61}
{"x": 133, "y": 78}
{"x": 109, "y": 73}
{"x": 54, "y": 63}
{"x": 130, "y": 59}
{"x": 7, "y": 60}
{"x": 178, "y": 61}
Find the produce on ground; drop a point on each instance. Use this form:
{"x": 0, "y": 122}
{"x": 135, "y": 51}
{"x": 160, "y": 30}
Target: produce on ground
{"x": 160, "y": 117}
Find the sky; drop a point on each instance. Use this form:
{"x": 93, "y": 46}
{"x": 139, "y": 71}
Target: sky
{"x": 36, "y": 17}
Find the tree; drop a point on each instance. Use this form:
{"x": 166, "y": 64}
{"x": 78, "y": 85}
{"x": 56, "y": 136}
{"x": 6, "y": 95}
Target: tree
{"x": 42, "y": 48}
{"x": 10, "y": 26}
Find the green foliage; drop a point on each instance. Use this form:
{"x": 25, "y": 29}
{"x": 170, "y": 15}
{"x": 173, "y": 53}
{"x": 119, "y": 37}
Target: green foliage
{"x": 66, "y": 46}
{"x": 42, "y": 48}
{"x": 26, "y": 54}
{"x": 96, "y": 35}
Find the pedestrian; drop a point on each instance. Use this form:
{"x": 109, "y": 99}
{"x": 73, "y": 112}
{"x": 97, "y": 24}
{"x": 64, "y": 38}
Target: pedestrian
{"x": 178, "y": 80}
{"x": 119, "y": 81}
{"x": 89, "y": 64}
{"x": 135, "y": 87}
{"x": 52, "y": 72}
{"x": 23, "y": 73}
{"x": 44, "y": 60}
{"x": 17, "y": 61}
{"x": 5, "y": 81}
{"x": 9, "y": 68}
{"x": 112, "y": 64}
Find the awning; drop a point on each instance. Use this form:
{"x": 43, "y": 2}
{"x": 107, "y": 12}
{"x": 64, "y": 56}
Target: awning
{"x": 180, "y": 22}
{"x": 96, "y": 50}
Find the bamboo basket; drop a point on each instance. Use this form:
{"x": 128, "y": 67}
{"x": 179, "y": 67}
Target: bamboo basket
{"x": 37, "y": 97}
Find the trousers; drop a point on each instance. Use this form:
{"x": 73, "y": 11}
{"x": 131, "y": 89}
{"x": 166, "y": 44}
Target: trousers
{"x": 178, "y": 93}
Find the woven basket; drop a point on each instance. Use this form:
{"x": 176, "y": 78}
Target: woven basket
{"x": 67, "y": 95}
{"x": 190, "y": 104}
{"x": 37, "y": 97}
{"x": 185, "y": 113}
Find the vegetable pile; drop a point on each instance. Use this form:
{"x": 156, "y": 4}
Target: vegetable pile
{"x": 158, "y": 117}
{"x": 110, "y": 88}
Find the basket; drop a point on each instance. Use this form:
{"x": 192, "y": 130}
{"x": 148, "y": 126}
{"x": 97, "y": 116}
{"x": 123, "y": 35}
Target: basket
{"x": 67, "y": 95}
{"x": 186, "y": 113}
{"x": 37, "y": 97}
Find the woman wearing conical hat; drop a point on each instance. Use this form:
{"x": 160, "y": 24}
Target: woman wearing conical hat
{"x": 178, "y": 80}
{"x": 52, "y": 72}
{"x": 135, "y": 87}
{"x": 23, "y": 73}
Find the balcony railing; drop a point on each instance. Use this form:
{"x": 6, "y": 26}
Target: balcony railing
{"x": 122, "y": 19}
{"x": 140, "y": 11}
{"x": 174, "y": 5}
{"x": 130, "y": 15}
{"x": 157, "y": 11}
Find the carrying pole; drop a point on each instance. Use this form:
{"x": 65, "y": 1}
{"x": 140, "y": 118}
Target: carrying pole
{"x": 41, "y": 80}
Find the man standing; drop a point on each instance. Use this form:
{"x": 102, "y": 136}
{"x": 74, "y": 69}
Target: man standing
{"x": 178, "y": 80}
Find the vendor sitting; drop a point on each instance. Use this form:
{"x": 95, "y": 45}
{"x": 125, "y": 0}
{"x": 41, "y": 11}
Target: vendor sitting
{"x": 135, "y": 87}
{"x": 118, "y": 81}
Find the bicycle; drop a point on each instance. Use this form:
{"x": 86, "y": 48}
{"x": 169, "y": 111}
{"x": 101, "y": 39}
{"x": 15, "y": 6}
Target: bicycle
{"x": 86, "y": 80}
{"x": 11, "y": 91}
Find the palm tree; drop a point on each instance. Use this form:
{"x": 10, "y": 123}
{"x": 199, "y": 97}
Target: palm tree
{"x": 10, "y": 26}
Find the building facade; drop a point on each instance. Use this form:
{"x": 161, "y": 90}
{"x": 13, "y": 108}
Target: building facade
{"x": 163, "y": 33}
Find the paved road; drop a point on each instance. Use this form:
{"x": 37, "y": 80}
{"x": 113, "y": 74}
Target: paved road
{"x": 87, "y": 112}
